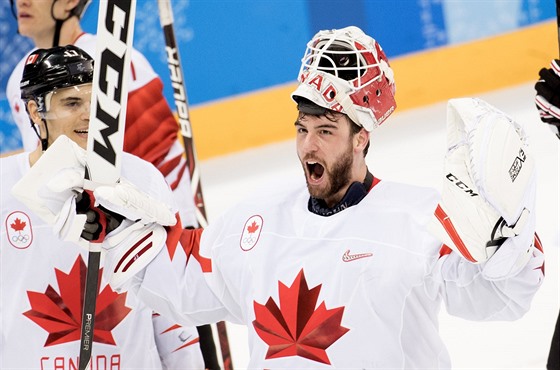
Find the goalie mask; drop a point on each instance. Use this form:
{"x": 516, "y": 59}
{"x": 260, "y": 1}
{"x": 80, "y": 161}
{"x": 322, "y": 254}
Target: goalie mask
{"x": 345, "y": 70}
{"x": 47, "y": 70}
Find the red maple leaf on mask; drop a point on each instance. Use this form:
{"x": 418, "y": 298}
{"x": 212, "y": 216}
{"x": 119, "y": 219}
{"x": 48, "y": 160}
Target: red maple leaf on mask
{"x": 298, "y": 327}
{"x": 60, "y": 313}
{"x": 18, "y": 225}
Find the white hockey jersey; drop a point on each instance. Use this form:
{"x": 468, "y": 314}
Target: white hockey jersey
{"x": 360, "y": 289}
{"x": 151, "y": 129}
{"x": 42, "y": 283}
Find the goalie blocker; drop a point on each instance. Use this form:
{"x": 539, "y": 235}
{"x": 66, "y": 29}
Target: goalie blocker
{"x": 488, "y": 197}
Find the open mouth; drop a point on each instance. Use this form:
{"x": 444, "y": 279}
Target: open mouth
{"x": 81, "y": 132}
{"x": 315, "y": 170}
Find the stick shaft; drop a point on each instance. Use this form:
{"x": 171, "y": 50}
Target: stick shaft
{"x": 88, "y": 313}
{"x": 181, "y": 103}
{"x": 115, "y": 28}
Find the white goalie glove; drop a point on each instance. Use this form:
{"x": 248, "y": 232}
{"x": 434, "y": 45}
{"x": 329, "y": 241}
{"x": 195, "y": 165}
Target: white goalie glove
{"x": 488, "y": 195}
{"x": 118, "y": 216}
{"x": 50, "y": 188}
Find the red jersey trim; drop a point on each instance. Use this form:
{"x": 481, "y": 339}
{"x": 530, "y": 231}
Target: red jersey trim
{"x": 190, "y": 241}
{"x": 443, "y": 218}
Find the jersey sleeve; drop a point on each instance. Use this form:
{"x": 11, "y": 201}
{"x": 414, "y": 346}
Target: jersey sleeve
{"x": 151, "y": 128}
{"x": 468, "y": 294}
{"x": 174, "y": 283}
{"x": 178, "y": 346}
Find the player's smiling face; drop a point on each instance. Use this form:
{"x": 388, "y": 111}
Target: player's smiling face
{"x": 326, "y": 151}
{"x": 68, "y": 113}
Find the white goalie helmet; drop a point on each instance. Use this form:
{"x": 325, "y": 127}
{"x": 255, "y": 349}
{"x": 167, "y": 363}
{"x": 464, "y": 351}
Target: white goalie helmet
{"x": 347, "y": 71}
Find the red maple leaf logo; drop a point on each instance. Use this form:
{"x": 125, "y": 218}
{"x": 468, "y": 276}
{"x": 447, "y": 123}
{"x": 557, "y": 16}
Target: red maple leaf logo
{"x": 18, "y": 225}
{"x": 60, "y": 314}
{"x": 253, "y": 227}
{"x": 297, "y": 328}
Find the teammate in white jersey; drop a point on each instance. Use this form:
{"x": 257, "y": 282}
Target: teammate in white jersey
{"x": 346, "y": 270}
{"x": 151, "y": 129}
{"x": 42, "y": 276}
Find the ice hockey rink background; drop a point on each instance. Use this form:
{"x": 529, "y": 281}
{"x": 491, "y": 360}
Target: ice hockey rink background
{"x": 241, "y": 67}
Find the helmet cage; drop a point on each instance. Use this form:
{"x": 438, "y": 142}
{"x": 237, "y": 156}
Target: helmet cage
{"x": 357, "y": 66}
{"x": 347, "y": 71}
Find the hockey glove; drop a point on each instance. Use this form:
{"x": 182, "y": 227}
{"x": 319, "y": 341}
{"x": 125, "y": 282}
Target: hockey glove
{"x": 489, "y": 185}
{"x": 63, "y": 162}
{"x": 50, "y": 187}
{"x": 548, "y": 96}
{"x": 93, "y": 215}
{"x": 99, "y": 221}
{"x": 140, "y": 235}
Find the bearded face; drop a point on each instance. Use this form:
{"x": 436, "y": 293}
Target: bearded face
{"x": 336, "y": 175}
{"x": 325, "y": 150}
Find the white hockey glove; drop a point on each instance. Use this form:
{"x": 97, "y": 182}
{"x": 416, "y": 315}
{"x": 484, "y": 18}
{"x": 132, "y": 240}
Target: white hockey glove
{"x": 117, "y": 215}
{"x": 548, "y": 96}
{"x": 489, "y": 188}
{"x": 50, "y": 187}
{"x": 140, "y": 236}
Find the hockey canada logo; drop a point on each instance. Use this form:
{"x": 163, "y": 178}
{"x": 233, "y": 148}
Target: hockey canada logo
{"x": 251, "y": 232}
{"x": 18, "y": 230}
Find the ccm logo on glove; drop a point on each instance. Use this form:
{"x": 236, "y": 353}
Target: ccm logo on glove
{"x": 461, "y": 185}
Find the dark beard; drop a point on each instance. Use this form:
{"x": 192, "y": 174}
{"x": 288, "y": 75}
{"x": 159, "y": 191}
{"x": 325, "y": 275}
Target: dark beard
{"x": 338, "y": 176}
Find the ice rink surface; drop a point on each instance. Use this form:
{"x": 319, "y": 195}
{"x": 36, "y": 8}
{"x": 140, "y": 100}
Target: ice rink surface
{"x": 410, "y": 147}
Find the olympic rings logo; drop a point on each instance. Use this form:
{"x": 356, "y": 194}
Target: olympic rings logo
{"x": 249, "y": 239}
{"x": 21, "y": 238}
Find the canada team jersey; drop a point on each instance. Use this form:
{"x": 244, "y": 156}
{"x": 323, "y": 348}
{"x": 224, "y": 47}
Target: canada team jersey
{"x": 359, "y": 289}
{"x": 41, "y": 291}
{"x": 151, "y": 129}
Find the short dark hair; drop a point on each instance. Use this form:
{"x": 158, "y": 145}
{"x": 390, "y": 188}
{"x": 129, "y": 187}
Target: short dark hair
{"x": 332, "y": 115}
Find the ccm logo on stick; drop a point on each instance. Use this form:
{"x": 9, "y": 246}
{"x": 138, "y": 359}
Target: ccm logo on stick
{"x": 111, "y": 70}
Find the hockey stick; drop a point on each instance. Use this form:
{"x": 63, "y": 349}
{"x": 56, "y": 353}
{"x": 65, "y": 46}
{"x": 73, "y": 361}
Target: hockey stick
{"x": 115, "y": 28}
{"x": 181, "y": 102}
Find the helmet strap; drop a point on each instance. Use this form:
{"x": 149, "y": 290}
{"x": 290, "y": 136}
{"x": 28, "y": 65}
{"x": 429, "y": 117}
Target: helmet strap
{"x": 44, "y": 141}
{"x": 57, "y": 28}
{"x": 58, "y": 25}
{"x": 13, "y": 9}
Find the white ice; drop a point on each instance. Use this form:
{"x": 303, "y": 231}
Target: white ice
{"x": 410, "y": 147}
